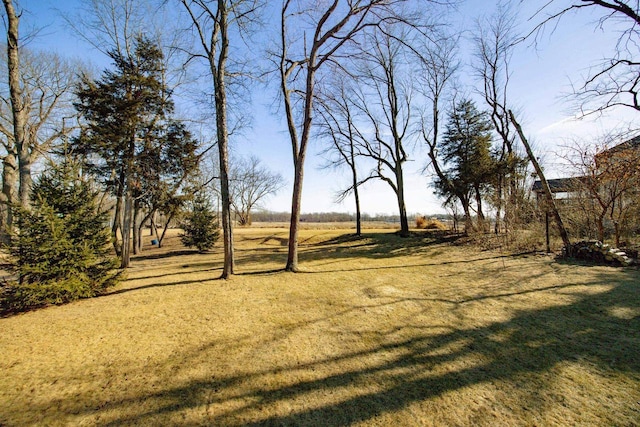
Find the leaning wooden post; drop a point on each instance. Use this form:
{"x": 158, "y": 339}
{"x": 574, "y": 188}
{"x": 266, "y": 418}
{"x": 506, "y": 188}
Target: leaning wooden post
{"x": 546, "y": 225}
{"x": 545, "y": 185}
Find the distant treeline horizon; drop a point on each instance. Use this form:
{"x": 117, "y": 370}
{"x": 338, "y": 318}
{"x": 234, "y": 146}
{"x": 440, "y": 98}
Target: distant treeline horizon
{"x": 269, "y": 216}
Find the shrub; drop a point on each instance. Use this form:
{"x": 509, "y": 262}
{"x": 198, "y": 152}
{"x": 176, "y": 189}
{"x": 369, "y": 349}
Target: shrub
{"x": 430, "y": 224}
{"x": 200, "y": 225}
{"x": 59, "y": 250}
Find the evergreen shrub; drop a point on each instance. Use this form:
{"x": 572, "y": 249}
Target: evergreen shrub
{"x": 59, "y": 249}
{"x": 200, "y": 225}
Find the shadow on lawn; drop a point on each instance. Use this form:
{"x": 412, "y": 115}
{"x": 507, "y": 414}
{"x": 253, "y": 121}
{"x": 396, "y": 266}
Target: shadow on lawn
{"x": 163, "y": 255}
{"x": 347, "y": 246}
{"x": 370, "y": 246}
{"x": 415, "y": 368}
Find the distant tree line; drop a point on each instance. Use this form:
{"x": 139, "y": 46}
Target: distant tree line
{"x": 319, "y": 217}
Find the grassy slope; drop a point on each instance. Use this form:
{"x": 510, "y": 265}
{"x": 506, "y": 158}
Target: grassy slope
{"x": 378, "y": 331}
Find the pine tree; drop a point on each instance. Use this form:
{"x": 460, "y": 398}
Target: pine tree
{"x": 466, "y": 151}
{"x": 200, "y": 225}
{"x": 130, "y": 137}
{"x": 60, "y": 248}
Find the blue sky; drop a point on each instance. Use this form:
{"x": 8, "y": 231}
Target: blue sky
{"x": 541, "y": 74}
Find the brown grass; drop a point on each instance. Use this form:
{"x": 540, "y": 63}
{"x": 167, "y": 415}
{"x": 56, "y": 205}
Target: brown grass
{"x": 424, "y": 223}
{"x": 379, "y": 330}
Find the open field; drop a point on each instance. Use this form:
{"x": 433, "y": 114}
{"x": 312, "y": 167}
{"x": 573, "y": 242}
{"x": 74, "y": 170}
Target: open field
{"x": 378, "y": 330}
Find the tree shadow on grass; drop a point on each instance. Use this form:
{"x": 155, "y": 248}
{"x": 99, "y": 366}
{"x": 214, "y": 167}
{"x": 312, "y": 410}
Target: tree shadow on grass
{"x": 168, "y": 254}
{"x": 159, "y": 285}
{"x": 397, "y": 372}
{"x": 370, "y": 246}
{"x": 346, "y": 246}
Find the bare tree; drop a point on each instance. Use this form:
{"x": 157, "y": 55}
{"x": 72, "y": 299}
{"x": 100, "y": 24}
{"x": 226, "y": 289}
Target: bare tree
{"x": 337, "y": 124}
{"x": 249, "y": 184}
{"x": 386, "y": 101}
{"x": 110, "y": 25}
{"x": 322, "y": 35}
{"x": 439, "y": 65}
{"x": 35, "y": 110}
{"x": 213, "y": 22}
{"x": 495, "y": 40}
{"x": 608, "y": 179}
{"x": 615, "y": 81}
{"x": 47, "y": 83}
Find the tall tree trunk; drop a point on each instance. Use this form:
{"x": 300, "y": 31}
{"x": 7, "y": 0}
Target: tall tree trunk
{"x": 466, "y": 208}
{"x": 9, "y": 178}
{"x": 15, "y": 89}
{"x": 402, "y": 209}
{"x": 153, "y": 229}
{"x": 126, "y": 230}
{"x": 140, "y": 226}
{"x": 356, "y": 196}
{"x": 496, "y": 228}
{"x": 545, "y": 186}
{"x": 512, "y": 207}
{"x": 218, "y": 71}
{"x": 296, "y": 204}
{"x": 117, "y": 219}
{"x": 137, "y": 240}
{"x": 127, "y": 185}
{"x": 600, "y": 226}
{"x": 351, "y": 160}
{"x": 227, "y": 224}
{"x": 166, "y": 227}
{"x": 468, "y": 222}
{"x": 24, "y": 171}
{"x": 299, "y": 158}
{"x": 481, "y": 218}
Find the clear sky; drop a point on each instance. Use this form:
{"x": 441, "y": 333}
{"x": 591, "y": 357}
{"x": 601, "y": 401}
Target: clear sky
{"x": 541, "y": 75}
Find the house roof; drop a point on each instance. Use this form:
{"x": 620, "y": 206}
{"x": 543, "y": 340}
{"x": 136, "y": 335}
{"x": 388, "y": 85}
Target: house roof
{"x": 558, "y": 185}
{"x": 564, "y": 185}
{"x": 631, "y": 143}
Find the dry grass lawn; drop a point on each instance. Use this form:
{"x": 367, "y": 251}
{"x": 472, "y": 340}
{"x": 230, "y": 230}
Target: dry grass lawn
{"x": 377, "y": 331}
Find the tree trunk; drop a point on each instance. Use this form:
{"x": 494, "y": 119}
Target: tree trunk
{"x": 299, "y": 158}
{"x": 137, "y": 239}
{"x": 296, "y": 203}
{"x": 496, "y": 228}
{"x": 600, "y": 226}
{"x": 15, "y": 88}
{"x": 126, "y": 231}
{"x": 219, "y": 83}
{"x": 117, "y": 221}
{"x": 140, "y": 226}
{"x": 356, "y": 196}
{"x": 216, "y": 46}
{"x": 9, "y": 178}
{"x": 24, "y": 171}
{"x": 229, "y": 262}
{"x": 545, "y": 186}
{"x": 166, "y": 227}
{"x": 481, "y": 217}
{"x": 402, "y": 209}
{"x": 468, "y": 222}
{"x": 512, "y": 207}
